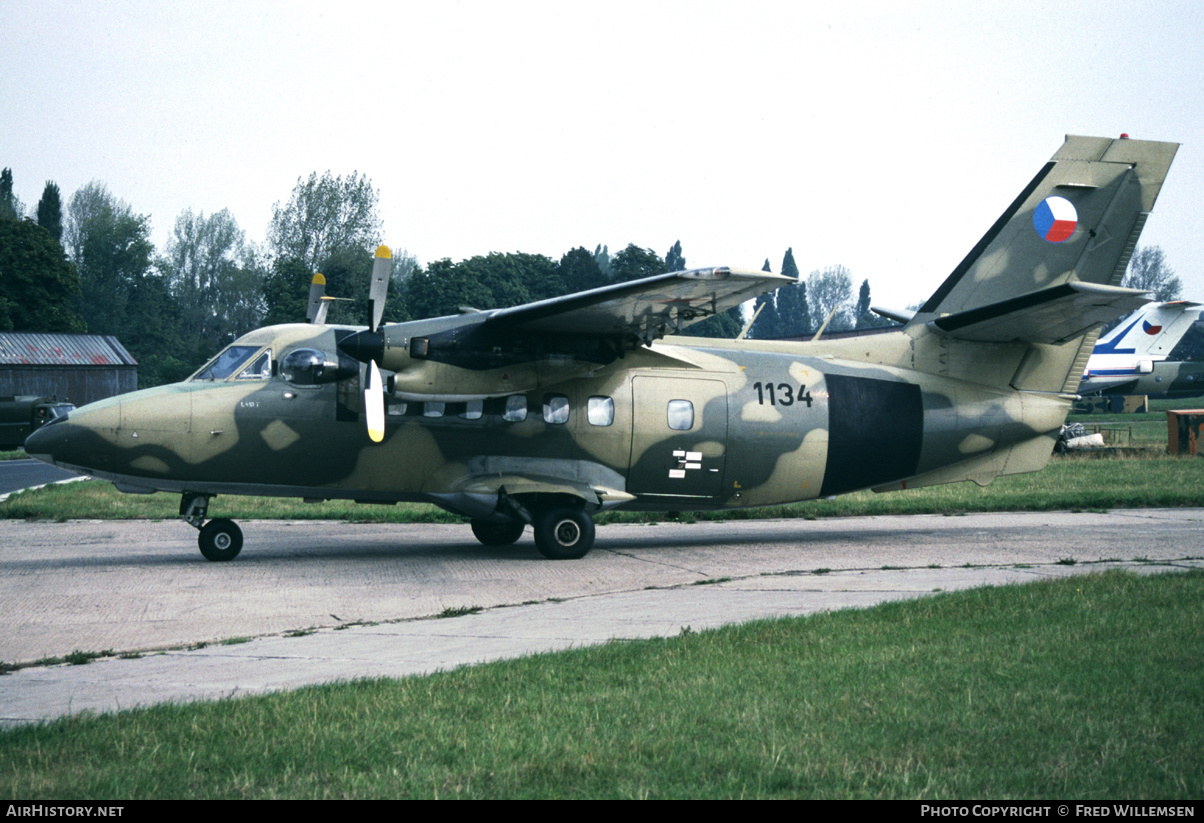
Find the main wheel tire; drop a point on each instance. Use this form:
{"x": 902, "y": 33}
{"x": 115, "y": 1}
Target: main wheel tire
{"x": 564, "y": 533}
{"x": 220, "y": 540}
{"x": 497, "y": 534}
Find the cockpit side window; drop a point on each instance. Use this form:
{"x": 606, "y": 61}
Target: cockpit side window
{"x": 260, "y": 368}
{"x": 226, "y": 363}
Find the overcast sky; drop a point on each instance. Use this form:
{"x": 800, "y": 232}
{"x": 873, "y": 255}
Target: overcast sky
{"x": 886, "y": 137}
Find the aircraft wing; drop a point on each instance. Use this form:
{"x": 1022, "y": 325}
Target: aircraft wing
{"x": 1050, "y": 315}
{"x": 647, "y": 308}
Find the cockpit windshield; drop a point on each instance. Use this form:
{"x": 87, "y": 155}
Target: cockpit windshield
{"x": 226, "y": 363}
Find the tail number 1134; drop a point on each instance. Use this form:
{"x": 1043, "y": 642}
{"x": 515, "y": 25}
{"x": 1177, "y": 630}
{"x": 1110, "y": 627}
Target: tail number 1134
{"x": 781, "y": 394}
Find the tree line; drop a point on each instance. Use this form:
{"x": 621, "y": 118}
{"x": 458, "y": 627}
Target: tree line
{"x": 89, "y": 265}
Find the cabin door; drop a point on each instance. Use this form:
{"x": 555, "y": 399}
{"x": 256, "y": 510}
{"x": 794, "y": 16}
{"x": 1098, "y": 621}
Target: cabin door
{"x": 678, "y": 437}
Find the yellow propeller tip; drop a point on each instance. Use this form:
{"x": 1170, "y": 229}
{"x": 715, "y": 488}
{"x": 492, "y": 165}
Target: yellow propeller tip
{"x": 383, "y": 251}
{"x": 318, "y": 278}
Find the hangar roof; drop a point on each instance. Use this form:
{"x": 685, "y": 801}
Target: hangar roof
{"x": 62, "y": 349}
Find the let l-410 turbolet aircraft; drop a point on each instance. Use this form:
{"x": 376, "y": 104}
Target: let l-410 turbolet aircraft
{"x": 547, "y": 413}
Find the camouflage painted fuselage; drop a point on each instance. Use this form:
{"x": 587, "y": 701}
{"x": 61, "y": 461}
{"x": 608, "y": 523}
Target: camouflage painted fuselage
{"x": 774, "y": 423}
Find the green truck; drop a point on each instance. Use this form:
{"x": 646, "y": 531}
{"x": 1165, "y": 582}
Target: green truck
{"x": 22, "y": 415}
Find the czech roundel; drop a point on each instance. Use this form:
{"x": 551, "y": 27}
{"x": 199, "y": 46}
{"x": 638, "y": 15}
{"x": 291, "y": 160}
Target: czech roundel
{"x": 1149, "y": 327}
{"x": 1055, "y": 219}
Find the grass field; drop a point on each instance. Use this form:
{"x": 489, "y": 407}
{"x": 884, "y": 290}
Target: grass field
{"x": 1087, "y": 687}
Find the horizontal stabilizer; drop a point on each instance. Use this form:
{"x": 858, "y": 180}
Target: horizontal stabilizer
{"x": 898, "y": 315}
{"x": 1052, "y": 315}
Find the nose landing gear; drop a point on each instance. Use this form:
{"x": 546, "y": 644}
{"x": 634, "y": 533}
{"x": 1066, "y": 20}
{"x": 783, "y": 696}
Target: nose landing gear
{"x": 219, "y": 539}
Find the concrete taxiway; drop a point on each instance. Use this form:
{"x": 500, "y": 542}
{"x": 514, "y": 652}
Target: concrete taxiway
{"x": 319, "y": 602}
{"x": 16, "y": 475}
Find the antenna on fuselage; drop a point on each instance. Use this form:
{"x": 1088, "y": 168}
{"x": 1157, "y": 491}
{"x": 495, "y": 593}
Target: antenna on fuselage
{"x": 748, "y": 325}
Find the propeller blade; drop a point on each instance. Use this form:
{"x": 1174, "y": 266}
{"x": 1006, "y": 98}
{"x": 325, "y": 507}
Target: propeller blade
{"x": 374, "y": 403}
{"x": 317, "y": 307}
{"x": 378, "y": 290}
{"x": 320, "y": 318}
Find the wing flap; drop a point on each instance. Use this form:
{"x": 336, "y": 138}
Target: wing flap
{"x": 647, "y": 308}
{"x": 1051, "y": 315}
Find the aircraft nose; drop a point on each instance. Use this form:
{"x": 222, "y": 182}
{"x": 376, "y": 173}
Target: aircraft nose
{"x": 50, "y": 441}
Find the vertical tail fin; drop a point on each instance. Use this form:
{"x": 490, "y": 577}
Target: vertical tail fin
{"x": 1152, "y": 331}
{"x": 1047, "y": 273}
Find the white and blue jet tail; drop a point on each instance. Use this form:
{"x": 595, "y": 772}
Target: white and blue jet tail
{"x": 1145, "y": 338}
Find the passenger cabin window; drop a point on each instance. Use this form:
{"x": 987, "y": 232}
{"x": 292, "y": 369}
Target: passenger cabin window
{"x": 432, "y": 409}
{"x": 555, "y": 408}
{"x": 516, "y": 409}
{"x": 225, "y": 364}
{"x": 260, "y": 369}
{"x": 473, "y": 410}
{"x": 600, "y": 411}
{"x": 681, "y": 415}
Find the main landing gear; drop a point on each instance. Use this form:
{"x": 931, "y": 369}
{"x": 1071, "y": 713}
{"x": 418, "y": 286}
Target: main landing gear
{"x": 563, "y": 531}
{"x": 219, "y": 539}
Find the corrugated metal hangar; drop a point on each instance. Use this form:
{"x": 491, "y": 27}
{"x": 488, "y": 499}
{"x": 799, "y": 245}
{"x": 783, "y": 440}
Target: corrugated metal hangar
{"x": 76, "y": 368}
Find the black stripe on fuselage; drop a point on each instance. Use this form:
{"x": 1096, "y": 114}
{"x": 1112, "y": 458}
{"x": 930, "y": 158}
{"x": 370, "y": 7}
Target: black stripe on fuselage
{"x": 875, "y": 431}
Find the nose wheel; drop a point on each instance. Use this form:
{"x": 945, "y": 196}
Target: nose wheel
{"x": 219, "y": 539}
